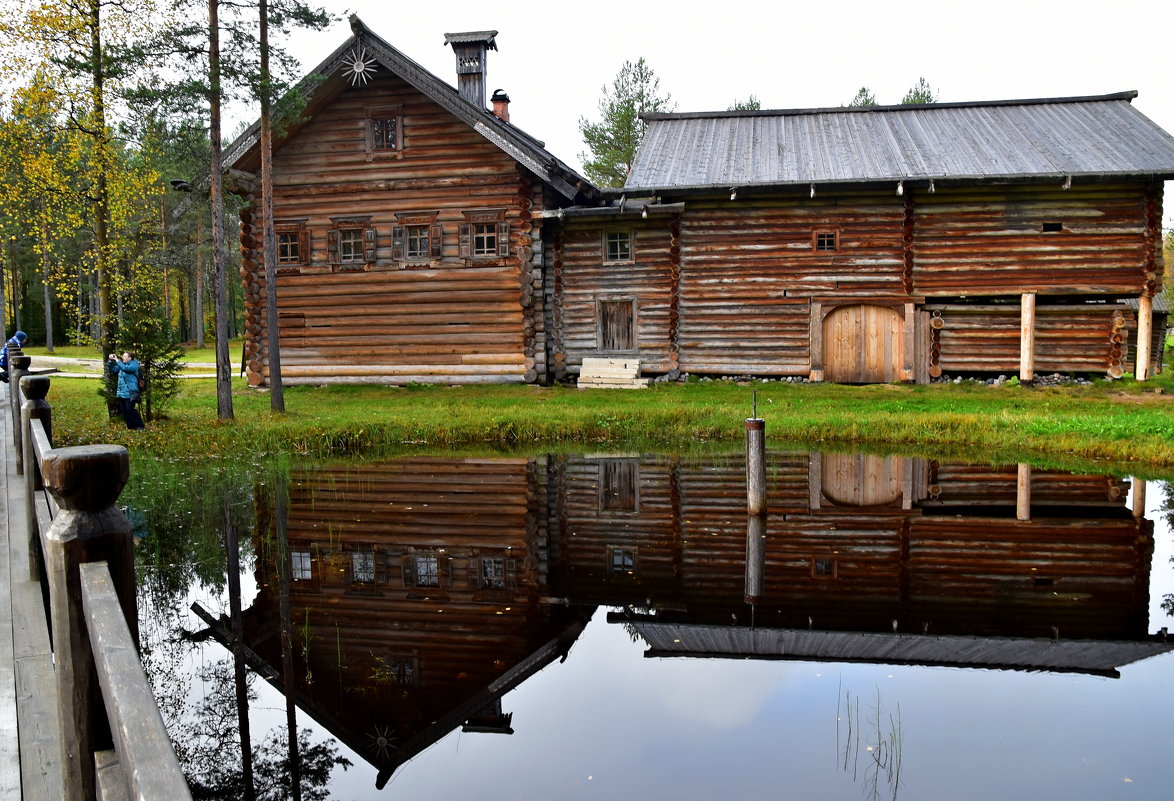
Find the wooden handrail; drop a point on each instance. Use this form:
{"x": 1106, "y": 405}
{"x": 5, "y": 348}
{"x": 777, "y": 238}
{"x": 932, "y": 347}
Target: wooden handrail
{"x": 84, "y": 545}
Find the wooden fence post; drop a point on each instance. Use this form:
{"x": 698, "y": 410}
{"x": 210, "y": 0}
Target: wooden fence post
{"x": 35, "y": 388}
{"x": 18, "y": 366}
{"x": 85, "y": 481}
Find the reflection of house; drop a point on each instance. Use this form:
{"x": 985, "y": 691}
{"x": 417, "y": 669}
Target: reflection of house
{"x": 415, "y": 599}
{"x": 422, "y": 590}
{"x": 421, "y": 237}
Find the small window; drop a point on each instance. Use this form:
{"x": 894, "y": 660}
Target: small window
{"x": 617, "y": 246}
{"x": 351, "y": 243}
{"x": 385, "y": 132}
{"x": 1052, "y": 227}
{"x": 485, "y": 235}
{"x": 484, "y": 239}
{"x": 427, "y": 569}
{"x": 293, "y": 245}
{"x": 493, "y": 574}
{"x": 416, "y": 242}
{"x": 826, "y": 240}
{"x": 362, "y": 567}
{"x": 622, "y": 560}
{"x": 302, "y": 566}
{"x": 824, "y": 568}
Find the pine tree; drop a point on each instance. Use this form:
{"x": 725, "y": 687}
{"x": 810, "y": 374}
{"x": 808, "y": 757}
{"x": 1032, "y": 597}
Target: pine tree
{"x": 612, "y": 141}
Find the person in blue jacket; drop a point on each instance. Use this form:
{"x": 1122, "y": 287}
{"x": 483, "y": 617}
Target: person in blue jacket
{"x": 128, "y": 388}
{"x": 17, "y": 341}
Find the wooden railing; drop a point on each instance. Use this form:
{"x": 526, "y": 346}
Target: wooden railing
{"x": 113, "y": 741}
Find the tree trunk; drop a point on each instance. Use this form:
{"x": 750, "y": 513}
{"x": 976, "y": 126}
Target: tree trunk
{"x": 197, "y": 304}
{"x": 272, "y": 332}
{"x": 223, "y": 368}
{"x": 101, "y": 165}
{"x": 5, "y": 261}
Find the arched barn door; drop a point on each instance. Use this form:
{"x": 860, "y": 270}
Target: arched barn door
{"x": 862, "y": 345}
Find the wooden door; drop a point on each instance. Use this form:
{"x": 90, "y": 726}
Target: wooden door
{"x": 862, "y": 345}
{"x": 861, "y": 479}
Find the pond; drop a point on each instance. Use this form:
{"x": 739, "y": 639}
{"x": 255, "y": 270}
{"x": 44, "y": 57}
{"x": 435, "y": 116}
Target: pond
{"x": 601, "y": 626}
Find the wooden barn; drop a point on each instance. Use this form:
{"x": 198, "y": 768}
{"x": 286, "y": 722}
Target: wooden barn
{"x": 422, "y": 237}
{"x": 873, "y": 244}
{"x": 404, "y": 224}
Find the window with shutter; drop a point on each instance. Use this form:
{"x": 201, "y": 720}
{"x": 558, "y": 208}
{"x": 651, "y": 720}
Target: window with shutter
{"x": 293, "y": 245}
{"x": 385, "y": 132}
{"x": 351, "y": 243}
{"x": 416, "y": 238}
{"x": 485, "y": 235}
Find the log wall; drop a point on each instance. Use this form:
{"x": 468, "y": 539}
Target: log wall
{"x": 447, "y": 317}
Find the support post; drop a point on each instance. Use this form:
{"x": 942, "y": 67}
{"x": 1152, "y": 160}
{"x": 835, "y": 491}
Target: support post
{"x": 755, "y": 507}
{"x": 1138, "y": 497}
{"x": 18, "y": 366}
{"x": 35, "y": 388}
{"x": 1023, "y": 493}
{"x": 1145, "y": 324}
{"x": 1027, "y": 339}
{"x": 85, "y": 481}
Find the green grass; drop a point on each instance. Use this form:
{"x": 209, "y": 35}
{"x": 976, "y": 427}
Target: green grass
{"x": 1126, "y": 424}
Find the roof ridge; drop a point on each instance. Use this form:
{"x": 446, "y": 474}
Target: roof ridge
{"x": 1038, "y": 101}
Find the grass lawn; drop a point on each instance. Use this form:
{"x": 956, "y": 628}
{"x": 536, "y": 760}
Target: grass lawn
{"x": 1129, "y": 426}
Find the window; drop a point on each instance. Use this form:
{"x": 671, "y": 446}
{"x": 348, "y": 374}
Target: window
{"x": 622, "y": 559}
{"x": 427, "y": 570}
{"x": 616, "y": 324}
{"x": 416, "y": 237}
{"x": 493, "y": 574}
{"x": 293, "y": 245}
{"x": 826, "y": 240}
{"x": 394, "y": 670}
{"x": 302, "y": 566}
{"x": 351, "y": 243}
{"x": 617, "y": 246}
{"x": 385, "y": 132}
{"x": 618, "y": 483}
{"x": 485, "y": 235}
{"x": 362, "y": 567}
{"x": 824, "y": 568}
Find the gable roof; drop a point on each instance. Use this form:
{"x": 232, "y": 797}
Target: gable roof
{"x": 1102, "y": 136}
{"x": 518, "y": 145}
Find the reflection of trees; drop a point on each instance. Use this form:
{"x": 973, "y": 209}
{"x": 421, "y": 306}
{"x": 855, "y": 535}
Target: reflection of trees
{"x": 874, "y": 739}
{"x": 207, "y": 743}
{"x": 1168, "y": 514}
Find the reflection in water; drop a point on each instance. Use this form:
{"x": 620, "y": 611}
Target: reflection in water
{"x": 421, "y": 591}
{"x": 877, "y": 738}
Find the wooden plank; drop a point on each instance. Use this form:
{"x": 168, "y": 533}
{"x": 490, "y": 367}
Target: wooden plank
{"x": 148, "y": 761}
{"x": 9, "y": 731}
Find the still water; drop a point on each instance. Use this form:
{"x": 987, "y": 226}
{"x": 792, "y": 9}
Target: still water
{"x": 602, "y": 626}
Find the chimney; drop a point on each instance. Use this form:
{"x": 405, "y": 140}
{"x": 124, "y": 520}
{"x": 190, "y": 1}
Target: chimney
{"x": 501, "y": 105}
{"x": 470, "y": 49}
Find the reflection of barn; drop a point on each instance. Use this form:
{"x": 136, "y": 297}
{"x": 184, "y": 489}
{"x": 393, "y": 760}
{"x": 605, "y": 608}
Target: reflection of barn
{"x": 859, "y": 544}
{"x": 422, "y": 590}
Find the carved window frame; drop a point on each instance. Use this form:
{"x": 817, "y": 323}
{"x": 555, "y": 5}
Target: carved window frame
{"x": 351, "y": 230}
{"x": 401, "y": 239}
{"x": 485, "y": 223}
{"x": 295, "y": 233}
{"x": 378, "y": 143}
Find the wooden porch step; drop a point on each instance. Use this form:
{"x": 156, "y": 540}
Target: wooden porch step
{"x": 597, "y": 373}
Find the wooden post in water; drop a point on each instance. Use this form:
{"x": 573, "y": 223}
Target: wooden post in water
{"x": 86, "y": 482}
{"x": 1145, "y": 318}
{"x": 35, "y": 388}
{"x": 1027, "y": 339}
{"x": 755, "y": 506}
{"x": 1023, "y": 493}
{"x": 18, "y": 366}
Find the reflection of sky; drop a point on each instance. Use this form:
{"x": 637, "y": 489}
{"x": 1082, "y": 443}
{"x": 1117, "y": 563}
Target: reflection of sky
{"x": 609, "y": 723}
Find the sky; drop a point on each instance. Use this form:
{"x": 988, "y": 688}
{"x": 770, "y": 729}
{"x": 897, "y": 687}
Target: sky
{"x": 554, "y": 59}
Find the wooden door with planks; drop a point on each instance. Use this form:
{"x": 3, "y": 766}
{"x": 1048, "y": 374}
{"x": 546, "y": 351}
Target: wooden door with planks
{"x": 862, "y": 345}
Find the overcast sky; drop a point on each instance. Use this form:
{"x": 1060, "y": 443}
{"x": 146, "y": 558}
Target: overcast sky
{"x": 554, "y": 58}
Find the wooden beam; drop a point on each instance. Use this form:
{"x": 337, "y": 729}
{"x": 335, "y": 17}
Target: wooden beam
{"x": 1145, "y": 317}
{"x": 1023, "y": 493}
{"x": 1027, "y": 338}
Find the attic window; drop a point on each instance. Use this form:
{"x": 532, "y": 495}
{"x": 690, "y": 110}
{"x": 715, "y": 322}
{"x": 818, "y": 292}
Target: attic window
{"x": 1052, "y": 227}
{"x": 617, "y": 246}
{"x": 825, "y": 240}
{"x": 385, "y": 132}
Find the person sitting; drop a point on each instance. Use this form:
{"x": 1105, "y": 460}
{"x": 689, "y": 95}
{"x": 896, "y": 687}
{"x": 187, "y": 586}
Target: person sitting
{"x": 17, "y": 342}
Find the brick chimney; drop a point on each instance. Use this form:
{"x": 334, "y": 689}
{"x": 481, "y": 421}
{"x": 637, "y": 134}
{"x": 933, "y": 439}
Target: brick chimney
{"x": 470, "y": 49}
{"x": 501, "y": 105}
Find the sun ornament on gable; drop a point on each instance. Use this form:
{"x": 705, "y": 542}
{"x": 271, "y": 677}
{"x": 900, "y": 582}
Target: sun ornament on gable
{"x": 358, "y": 66}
